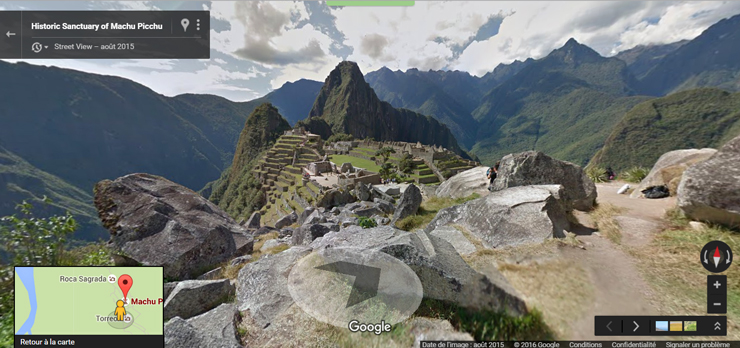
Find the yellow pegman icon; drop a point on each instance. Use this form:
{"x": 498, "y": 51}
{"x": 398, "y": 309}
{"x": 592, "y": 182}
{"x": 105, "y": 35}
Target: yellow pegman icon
{"x": 120, "y": 311}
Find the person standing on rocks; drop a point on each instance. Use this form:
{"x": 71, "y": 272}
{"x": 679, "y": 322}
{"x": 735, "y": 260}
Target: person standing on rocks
{"x": 492, "y": 173}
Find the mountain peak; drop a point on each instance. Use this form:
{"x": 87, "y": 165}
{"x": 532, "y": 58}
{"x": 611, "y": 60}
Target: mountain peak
{"x": 574, "y": 52}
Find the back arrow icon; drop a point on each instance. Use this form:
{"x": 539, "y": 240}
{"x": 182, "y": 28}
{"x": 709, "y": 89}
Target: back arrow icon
{"x": 607, "y": 326}
{"x": 366, "y": 281}
{"x": 9, "y": 34}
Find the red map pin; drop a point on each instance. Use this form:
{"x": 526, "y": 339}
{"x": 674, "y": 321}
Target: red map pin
{"x": 125, "y": 282}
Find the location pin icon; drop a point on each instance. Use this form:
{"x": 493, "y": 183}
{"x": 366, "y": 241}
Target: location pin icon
{"x": 125, "y": 282}
{"x": 185, "y": 22}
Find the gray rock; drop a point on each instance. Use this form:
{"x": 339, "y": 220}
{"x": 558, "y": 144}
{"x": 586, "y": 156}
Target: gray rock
{"x": 269, "y": 244}
{"x": 670, "y": 167}
{"x": 333, "y": 227}
{"x": 345, "y": 222}
{"x": 385, "y": 206}
{"x": 168, "y": 287}
{"x": 213, "y": 274}
{"x": 367, "y": 211}
{"x": 391, "y": 190}
{"x": 382, "y": 221}
{"x": 335, "y": 197}
{"x": 315, "y": 218}
{"x": 243, "y": 243}
{"x": 305, "y": 214}
{"x": 710, "y": 190}
{"x": 408, "y": 204}
{"x": 444, "y": 275}
{"x": 178, "y": 333}
{"x": 519, "y": 215}
{"x": 215, "y": 328}
{"x": 427, "y": 329}
{"x": 193, "y": 297}
{"x": 240, "y": 260}
{"x": 378, "y": 193}
{"x": 264, "y": 230}
{"x": 286, "y": 232}
{"x": 335, "y": 211}
{"x": 146, "y": 213}
{"x": 362, "y": 191}
{"x": 218, "y": 326}
{"x": 430, "y": 191}
{"x": 464, "y": 184}
{"x": 262, "y": 286}
{"x": 286, "y": 220}
{"x": 456, "y": 238}
{"x": 306, "y": 234}
{"x": 536, "y": 168}
{"x": 254, "y": 221}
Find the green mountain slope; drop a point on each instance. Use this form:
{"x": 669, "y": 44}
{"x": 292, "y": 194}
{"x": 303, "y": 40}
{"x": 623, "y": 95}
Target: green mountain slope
{"x": 238, "y": 191}
{"x": 564, "y": 104}
{"x": 699, "y": 118}
{"x": 349, "y": 105}
{"x": 21, "y": 181}
{"x": 709, "y": 60}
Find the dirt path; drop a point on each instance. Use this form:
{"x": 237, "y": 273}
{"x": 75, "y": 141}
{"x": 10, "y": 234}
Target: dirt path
{"x": 619, "y": 289}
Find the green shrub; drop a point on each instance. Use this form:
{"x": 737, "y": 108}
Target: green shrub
{"x": 634, "y": 174}
{"x": 596, "y": 174}
{"x": 340, "y": 137}
{"x": 366, "y": 222}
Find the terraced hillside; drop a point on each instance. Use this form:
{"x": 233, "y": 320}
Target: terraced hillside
{"x": 279, "y": 171}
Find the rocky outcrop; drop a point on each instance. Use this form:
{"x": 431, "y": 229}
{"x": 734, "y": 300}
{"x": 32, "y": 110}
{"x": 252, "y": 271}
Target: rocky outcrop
{"x": 444, "y": 275}
{"x": 519, "y": 215}
{"x": 286, "y": 220}
{"x": 215, "y": 328}
{"x": 464, "y": 184}
{"x": 536, "y": 168}
{"x": 262, "y": 286}
{"x": 192, "y": 297}
{"x": 308, "y": 233}
{"x": 669, "y": 168}
{"x": 156, "y": 222}
{"x": 254, "y": 221}
{"x": 710, "y": 191}
{"x": 408, "y": 204}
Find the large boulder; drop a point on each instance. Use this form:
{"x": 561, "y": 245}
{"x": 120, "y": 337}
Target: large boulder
{"x": 192, "y": 297}
{"x": 710, "y": 191}
{"x": 215, "y": 328}
{"x": 363, "y": 191}
{"x": 408, "y": 204}
{"x": 464, "y": 184}
{"x": 443, "y": 273}
{"x": 286, "y": 220}
{"x": 669, "y": 168}
{"x": 254, "y": 221}
{"x": 262, "y": 285}
{"x": 536, "y": 168}
{"x": 519, "y": 215}
{"x": 156, "y": 222}
{"x": 306, "y": 234}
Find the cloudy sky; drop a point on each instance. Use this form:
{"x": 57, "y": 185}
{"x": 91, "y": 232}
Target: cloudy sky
{"x": 257, "y": 46}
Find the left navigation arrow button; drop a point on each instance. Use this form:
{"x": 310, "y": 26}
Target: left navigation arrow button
{"x": 9, "y": 34}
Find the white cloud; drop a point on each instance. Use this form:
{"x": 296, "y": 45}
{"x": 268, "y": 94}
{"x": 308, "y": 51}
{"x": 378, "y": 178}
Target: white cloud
{"x": 536, "y": 28}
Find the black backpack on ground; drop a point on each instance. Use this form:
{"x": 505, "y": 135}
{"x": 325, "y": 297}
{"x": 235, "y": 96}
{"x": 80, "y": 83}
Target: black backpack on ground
{"x": 656, "y": 192}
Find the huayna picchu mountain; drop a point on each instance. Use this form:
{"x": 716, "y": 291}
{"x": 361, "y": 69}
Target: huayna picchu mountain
{"x": 237, "y": 191}
{"x": 347, "y": 104}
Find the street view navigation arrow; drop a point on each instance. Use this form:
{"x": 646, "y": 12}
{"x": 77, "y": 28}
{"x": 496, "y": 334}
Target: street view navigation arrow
{"x": 366, "y": 281}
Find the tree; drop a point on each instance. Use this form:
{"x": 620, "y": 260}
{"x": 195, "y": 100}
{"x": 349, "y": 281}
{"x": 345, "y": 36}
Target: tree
{"x": 406, "y": 164}
{"x": 31, "y": 241}
{"x": 28, "y": 241}
{"x": 385, "y": 153}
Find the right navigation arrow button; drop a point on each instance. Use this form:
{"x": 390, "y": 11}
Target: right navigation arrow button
{"x": 636, "y": 326}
